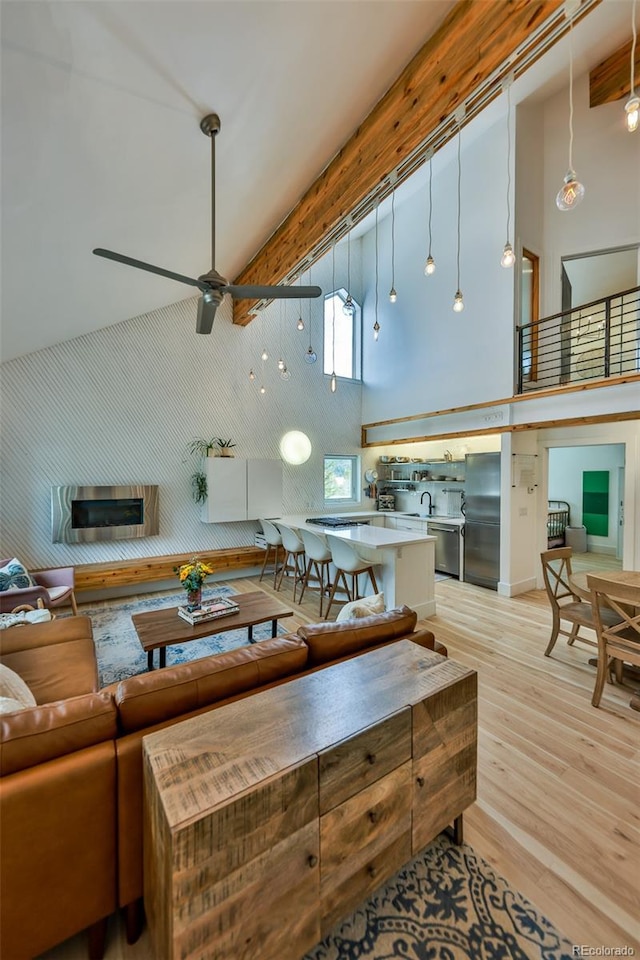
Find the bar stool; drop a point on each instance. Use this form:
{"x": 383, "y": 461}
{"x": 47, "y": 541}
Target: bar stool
{"x": 347, "y": 560}
{"x": 274, "y": 541}
{"x": 318, "y": 557}
{"x": 293, "y": 555}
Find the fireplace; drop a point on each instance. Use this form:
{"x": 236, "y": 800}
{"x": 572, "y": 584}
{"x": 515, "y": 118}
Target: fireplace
{"x": 87, "y": 514}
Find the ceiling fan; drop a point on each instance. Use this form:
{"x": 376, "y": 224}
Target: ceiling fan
{"x": 212, "y": 285}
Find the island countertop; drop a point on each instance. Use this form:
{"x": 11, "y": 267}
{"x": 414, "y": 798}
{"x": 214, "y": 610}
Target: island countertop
{"x": 375, "y": 538}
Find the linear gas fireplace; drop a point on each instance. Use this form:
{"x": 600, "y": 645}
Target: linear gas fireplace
{"x": 86, "y": 514}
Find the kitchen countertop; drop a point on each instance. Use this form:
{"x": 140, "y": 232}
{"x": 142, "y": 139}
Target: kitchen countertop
{"x": 436, "y": 518}
{"x": 377, "y": 538}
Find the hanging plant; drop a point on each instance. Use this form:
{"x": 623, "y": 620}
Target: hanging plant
{"x": 199, "y": 487}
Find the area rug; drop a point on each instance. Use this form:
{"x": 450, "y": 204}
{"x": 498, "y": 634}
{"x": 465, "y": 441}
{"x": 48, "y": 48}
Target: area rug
{"x": 446, "y": 904}
{"x": 118, "y": 649}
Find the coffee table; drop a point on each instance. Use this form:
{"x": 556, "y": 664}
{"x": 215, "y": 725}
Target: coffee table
{"x": 159, "y": 629}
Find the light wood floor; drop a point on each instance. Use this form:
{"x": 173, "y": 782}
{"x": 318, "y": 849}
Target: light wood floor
{"x": 558, "y": 808}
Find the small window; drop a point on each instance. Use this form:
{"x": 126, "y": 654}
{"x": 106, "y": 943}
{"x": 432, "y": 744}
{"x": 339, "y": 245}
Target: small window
{"x": 341, "y": 336}
{"x": 340, "y": 478}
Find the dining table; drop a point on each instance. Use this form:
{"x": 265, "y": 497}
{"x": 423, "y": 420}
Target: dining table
{"x": 579, "y": 584}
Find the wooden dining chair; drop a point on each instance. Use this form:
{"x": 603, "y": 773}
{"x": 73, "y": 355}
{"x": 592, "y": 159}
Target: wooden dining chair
{"x": 565, "y": 602}
{"x": 618, "y": 642}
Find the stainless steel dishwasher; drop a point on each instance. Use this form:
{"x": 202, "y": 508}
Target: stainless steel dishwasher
{"x": 447, "y": 546}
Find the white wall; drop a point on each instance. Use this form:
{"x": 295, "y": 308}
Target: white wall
{"x": 566, "y": 466}
{"x": 121, "y": 405}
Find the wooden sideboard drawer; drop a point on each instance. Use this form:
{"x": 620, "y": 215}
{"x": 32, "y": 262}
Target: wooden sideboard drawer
{"x": 350, "y": 766}
{"x": 360, "y": 836}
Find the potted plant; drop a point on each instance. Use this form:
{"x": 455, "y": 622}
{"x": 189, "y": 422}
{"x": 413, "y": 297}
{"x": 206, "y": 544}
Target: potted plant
{"x": 204, "y": 448}
{"x": 225, "y": 447}
{"x": 199, "y": 487}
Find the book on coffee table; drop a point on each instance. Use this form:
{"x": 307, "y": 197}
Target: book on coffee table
{"x": 218, "y": 607}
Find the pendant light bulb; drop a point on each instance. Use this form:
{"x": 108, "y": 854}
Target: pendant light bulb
{"x": 570, "y": 193}
{"x": 429, "y": 267}
{"x": 280, "y": 364}
{"x": 334, "y": 383}
{"x": 264, "y": 355}
{"x": 508, "y": 256}
{"x": 376, "y": 330}
{"x": 263, "y": 390}
{"x": 252, "y": 376}
{"x": 348, "y": 307}
{"x": 458, "y": 302}
{"x": 393, "y": 296}
{"x": 300, "y": 323}
{"x": 632, "y": 113}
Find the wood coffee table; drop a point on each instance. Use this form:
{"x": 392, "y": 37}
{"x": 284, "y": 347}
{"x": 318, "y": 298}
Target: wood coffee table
{"x": 159, "y": 629}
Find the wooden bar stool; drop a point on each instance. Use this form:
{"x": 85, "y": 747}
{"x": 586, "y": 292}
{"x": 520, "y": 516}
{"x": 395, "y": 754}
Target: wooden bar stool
{"x": 348, "y": 561}
{"x": 274, "y": 542}
{"x": 318, "y": 558}
{"x": 293, "y": 556}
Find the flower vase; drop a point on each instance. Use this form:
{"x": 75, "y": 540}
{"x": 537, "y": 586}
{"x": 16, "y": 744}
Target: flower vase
{"x": 194, "y": 599}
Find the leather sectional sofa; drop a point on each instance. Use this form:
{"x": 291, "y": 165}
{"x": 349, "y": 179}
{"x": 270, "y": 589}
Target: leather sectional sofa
{"x": 71, "y": 794}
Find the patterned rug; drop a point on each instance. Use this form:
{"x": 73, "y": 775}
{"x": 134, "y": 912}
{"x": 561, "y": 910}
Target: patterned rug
{"x": 447, "y": 904}
{"x": 117, "y": 646}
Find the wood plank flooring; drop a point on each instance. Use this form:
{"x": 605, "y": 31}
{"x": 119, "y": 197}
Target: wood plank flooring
{"x": 558, "y": 808}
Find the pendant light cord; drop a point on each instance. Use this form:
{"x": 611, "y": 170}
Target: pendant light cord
{"x": 508, "y": 161}
{"x": 376, "y": 264}
{"x": 430, "y": 199}
{"x": 634, "y": 32}
{"x": 458, "y": 254}
{"x": 349, "y": 262}
{"x": 393, "y": 238}
{"x": 571, "y": 95}
{"x": 333, "y": 304}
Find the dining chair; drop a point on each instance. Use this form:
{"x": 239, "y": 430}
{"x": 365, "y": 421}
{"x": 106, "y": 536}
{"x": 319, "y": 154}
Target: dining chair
{"x": 319, "y": 559}
{"x": 618, "y": 642}
{"x": 293, "y": 556}
{"x": 565, "y": 602}
{"x": 348, "y": 562}
{"x": 274, "y": 542}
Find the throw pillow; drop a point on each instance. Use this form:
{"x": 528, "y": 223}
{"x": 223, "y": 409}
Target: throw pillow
{"x": 13, "y": 687}
{"x": 8, "y": 705}
{"x": 14, "y": 576}
{"x": 24, "y": 616}
{"x": 364, "y": 607}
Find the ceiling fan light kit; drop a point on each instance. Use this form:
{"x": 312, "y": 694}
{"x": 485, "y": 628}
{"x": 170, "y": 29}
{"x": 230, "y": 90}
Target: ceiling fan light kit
{"x": 213, "y": 285}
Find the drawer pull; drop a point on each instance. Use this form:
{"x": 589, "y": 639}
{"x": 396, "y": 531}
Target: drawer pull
{"x": 373, "y": 816}
{"x": 420, "y": 781}
{"x": 371, "y": 870}
{"x": 371, "y": 757}
{"x": 312, "y": 860}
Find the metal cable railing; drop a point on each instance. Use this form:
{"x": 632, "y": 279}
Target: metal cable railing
{"x": 593, "y": 341}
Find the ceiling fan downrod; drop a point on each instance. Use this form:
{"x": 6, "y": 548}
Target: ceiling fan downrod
{"x": 210, "y": 125}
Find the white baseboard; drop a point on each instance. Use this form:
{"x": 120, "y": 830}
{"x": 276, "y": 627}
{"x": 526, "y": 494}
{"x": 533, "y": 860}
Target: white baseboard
{"x": 513, "y": 589}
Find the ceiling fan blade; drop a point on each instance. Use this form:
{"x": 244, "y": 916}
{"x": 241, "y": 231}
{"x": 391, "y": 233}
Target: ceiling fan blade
{"x": 207, "y": 307}
{"x": 254, "y": 292}
{"x": 149, "y": 267}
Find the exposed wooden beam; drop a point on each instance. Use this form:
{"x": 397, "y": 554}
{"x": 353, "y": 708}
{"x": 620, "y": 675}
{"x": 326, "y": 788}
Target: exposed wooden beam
{"x": 474, "y": 40}
{"x": 611, "y": 79}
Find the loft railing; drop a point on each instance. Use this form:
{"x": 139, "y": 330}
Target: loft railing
{"x": 590, "y": 342}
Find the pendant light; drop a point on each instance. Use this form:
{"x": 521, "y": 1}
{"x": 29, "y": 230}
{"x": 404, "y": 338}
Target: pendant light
{"x": 508, "y": 256}
{"x": 333, "y": 382}
{"x": 393, "y": 296}
{"x": 300, "y": 323}
{"x": 349, "y": 307}
{"x": 310, "y": 356}
{"x": 632, "y": 106}
{"x": 376, "y": 326}
{"x": 458, "y": 302}
{"x": 571, "y": 192}
{"x": 430, "y": 264}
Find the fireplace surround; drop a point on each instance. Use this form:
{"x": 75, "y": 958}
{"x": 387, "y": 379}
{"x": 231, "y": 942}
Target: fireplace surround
{"x": 86, "y": 514}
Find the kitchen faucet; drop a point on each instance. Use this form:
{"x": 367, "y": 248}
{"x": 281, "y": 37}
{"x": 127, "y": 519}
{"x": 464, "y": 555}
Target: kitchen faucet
{"x": 427, "y": 494}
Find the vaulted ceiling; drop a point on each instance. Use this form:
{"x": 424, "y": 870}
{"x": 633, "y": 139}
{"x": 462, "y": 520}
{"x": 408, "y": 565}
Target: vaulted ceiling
{"x": 101, "y": 146}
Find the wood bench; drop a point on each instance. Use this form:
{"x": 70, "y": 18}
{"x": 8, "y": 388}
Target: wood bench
{"x": 121, "y": 573}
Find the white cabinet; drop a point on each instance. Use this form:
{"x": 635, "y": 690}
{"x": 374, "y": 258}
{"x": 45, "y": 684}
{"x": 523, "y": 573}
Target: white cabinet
{"x": 240, "y": 489}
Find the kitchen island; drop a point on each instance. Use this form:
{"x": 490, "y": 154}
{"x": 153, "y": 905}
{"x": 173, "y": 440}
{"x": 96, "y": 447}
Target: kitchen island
{"x": 404, "y": 559}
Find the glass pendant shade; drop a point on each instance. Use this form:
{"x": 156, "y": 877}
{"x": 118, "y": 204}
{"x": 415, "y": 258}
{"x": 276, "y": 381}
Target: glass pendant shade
{"x": 570, "y": 193}
{"x": 430, "y": 266}
{"x": 508, "y": 256}
{"x": 285, "y": 374}
{"x": 458, "y": 302}
{"x": 310, "y": 356}
{"x": 393, "y": 296}
{"x": 632, "y": 113}
{"x": 333, "y": 383}
{"x": 348, "y": 307}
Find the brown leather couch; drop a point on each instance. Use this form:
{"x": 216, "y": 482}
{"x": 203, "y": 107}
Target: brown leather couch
{"x": 71, "y": 788}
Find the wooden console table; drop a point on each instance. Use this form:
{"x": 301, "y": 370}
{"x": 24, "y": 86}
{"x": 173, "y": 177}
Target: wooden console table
{"x": 270, "y": 819}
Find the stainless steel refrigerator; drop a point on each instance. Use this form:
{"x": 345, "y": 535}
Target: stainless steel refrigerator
{"x": 482, "y": 519}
